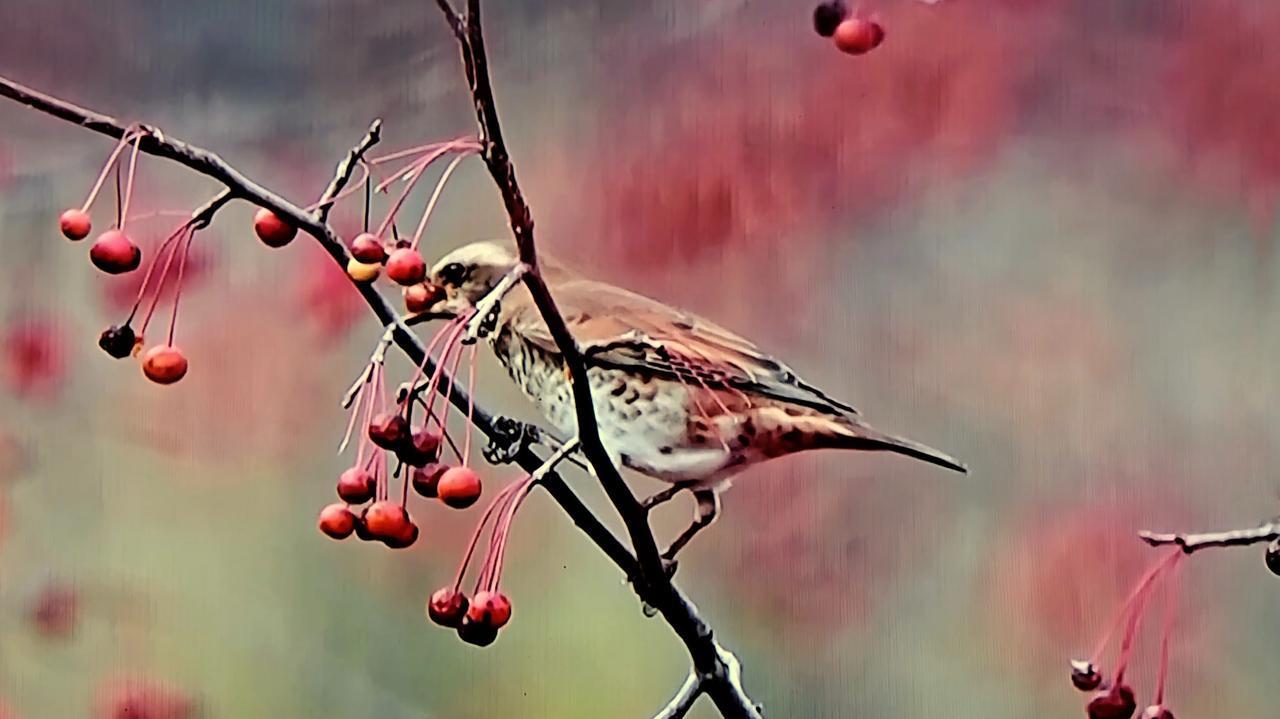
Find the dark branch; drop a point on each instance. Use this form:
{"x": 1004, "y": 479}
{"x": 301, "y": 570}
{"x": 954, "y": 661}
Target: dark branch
{"x": 1265, "y": 532}
{"x": 342, "y": 175}
{"x": 718, "y": 667}
{"x": 240, "y": 187}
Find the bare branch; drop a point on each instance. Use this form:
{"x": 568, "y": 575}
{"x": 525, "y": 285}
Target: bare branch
{"x": 718, "y": 667}
{"x": 684, "y": 699}
{"x": 1265, "y": 532}
{"x": 345, "y": 168}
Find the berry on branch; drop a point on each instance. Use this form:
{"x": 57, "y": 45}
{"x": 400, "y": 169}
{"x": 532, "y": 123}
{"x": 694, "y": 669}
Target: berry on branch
{"x": 75, "y": 224}
{"x": 406, "y": 267}
{"x": 368, "y": 249}
{"x": 356, "y": 486}
{"x": 273, "y": 231}
{"x": 337, "y": 521}
{"x": 856, "y": 36}
{"x": 118, "y": 340}
{"x": 114, "y": 253}
{"x": 389, "y": 431}
{"x": 827, "y": 15}
{"x": 447, "y": 607}
{"x": 459, "y": 487}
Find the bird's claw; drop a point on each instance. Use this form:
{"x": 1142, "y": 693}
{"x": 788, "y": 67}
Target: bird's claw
{"x": 510, "y": 437}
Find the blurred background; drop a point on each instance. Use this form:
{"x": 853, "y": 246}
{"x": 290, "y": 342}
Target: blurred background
{"x": 1038, "y": 235}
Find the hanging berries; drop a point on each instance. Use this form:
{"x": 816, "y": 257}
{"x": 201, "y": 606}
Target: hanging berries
{"x": 491, "y": 608}
{"x": 337, "y": 521}
{"x": 426, "y": 480}
{"x": 406, "y": 267}
{"x": 1273, "y": 556}
{"x": 164, "y": 364}
{"x": 368, "y": 249}
{"x": 1085, "y": 676}
{"x": 363, "y": 272}
{"x": 858, "y": 36}
{"x": 447, "y": 607}
{"x": 421, "y": 297}
{"x": 1114, "y": 703}
{"x": 356, "y": 486}
{"x": 75, "y": 224}
{"x": 114, "y": 253}
{"x": 459, "y": 487}
{"x": 273, "y": 231}
{"x": 1156, "y": 711}
{"x": 422, "y": 448}
{"x": 389, "y": 431}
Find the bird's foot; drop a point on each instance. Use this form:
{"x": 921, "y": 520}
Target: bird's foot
{"x": 510, "y": 437}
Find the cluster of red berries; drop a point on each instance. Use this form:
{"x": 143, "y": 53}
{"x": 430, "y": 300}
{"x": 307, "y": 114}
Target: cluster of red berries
{"x": 417, "y": 449}
{"x": 851, "y": 34}
{"x": 1115, "y": 699}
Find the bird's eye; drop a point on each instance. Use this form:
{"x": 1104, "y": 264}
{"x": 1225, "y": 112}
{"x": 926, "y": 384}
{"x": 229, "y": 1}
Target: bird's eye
{"x": 453, "y": 274}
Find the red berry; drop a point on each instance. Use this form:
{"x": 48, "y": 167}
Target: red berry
{"x": 405, "y": 267}
{"x": 273, "y": 231}
{"x": 164, "y": 364}
{"x": 118, "y": 341}
{"x": 422, "y": 448}
{"x": 427, "y": 479}
{"x": 114, "y": 253}
{"x": 389, "y": 431}
{"x": 1273, "y": 556}
{"x": 491, "y": 608}
{"x": 407, "y": 536}
{"x": 337, "y": 521}
{"x": 1114, "y": 703}
{"x": 367, "y": 248}
{"x": 1155, "y": 711}
{"x": 447, "y": 607}
{"x": 356, "y": 486}
{"x": 422, "y": 297}
{"x": 459, "y": 487}
{"x": 857, "y": 36}
{"x": 1085, "y": 676}
{"x": 387, "y": 520}
{"x": 75, "y": 224}
{"x": 481, "y": 635}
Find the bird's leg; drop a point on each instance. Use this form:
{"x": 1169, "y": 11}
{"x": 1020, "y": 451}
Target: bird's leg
{"x": 510, "y": 437}
{"x": 703, "y": 515}
{"x": 485, "y": 318}
{"x": 660, "y": 498}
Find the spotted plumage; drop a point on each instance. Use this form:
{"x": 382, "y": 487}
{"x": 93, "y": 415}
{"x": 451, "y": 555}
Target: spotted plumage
{"x": 677, "y": 397}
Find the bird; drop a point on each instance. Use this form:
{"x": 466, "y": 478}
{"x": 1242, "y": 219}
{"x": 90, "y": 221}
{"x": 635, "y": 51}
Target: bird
{"x": 677, "y": 397}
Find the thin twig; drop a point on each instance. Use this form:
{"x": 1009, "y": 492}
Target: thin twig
{"x": 342, "y": 175}
{"x": 1264, "y": 532}
{"x": 684, "y": 699}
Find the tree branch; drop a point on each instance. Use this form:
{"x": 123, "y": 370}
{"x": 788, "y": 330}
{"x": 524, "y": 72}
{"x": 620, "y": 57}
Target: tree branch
{"x": 718, "y": 668}
{"x": 342, "y": 175}
{"x": 1265, "y": 532}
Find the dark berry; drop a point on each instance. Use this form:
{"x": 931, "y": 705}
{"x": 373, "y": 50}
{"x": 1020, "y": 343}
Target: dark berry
{"x": 491, "y": 608}
{"x": 422, "y": 448}
{"x": 1085, "y": 676}
{"x": 389, "y": 431}
{"x": 827, "y": 16}
{"x": 118, "y": 341}
{"x": 481, "y": 635}
{"x": 1273, "y": 556}
{"x": 1114, "y": 703}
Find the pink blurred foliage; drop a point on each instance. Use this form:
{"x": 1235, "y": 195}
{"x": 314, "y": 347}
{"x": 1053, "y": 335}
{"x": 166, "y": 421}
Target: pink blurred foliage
{"x": 139, "y": 697}
{"x": 324, "y": 298}
{"x": 1066, "y": 569}
{"x": 1220, "y": 103}
{"x": 801, "y": 553}
{"x": 7, "y": 711}
{"x": 54, "y": 611}
{"x": 758, "y": 146}
{"x": 34, "y": 357}
{"x": 14, "y": 458}
{"x": 251, "y": 390}
{"x": 119, "y": 292}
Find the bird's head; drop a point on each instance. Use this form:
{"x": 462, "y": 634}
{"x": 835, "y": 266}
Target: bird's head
{"x": 468, "y": 273}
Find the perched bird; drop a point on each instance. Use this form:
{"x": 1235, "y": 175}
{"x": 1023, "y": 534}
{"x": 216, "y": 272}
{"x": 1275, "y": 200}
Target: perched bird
{"x": 677, "y": 397}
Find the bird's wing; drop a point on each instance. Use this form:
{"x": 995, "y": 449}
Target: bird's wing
{"x": 618, "y": 328}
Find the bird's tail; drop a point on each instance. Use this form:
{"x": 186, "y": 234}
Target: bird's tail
{"x": 854, "y": 434}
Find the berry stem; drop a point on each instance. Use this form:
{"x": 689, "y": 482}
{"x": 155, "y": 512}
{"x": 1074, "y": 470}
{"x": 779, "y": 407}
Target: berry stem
{"x": 495, "y": 539}
{"x": 435, "y": 197}
{"x": 475, "y": 536}
{"x": 146, "y": 279}
{"x": 426, "y": 358}
{"x": 164, "y": 278}
{"x": 1138, "y": 591}
{"x": 1170, "y": 609}
{"x": 1136, "y": 615}
{"x": 525, "y": 489}
{"x": 111, "y": 162}
{"x": 471, "y": 407}
{"x": 128, "y": 188}
{"x": 177, "y": 288}
{"x": 444, "y": 414}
